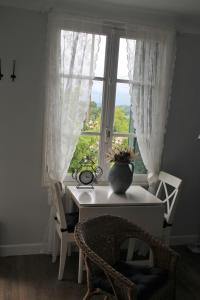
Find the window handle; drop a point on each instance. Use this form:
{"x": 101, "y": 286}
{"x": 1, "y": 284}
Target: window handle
{"x": 107, "y": 135}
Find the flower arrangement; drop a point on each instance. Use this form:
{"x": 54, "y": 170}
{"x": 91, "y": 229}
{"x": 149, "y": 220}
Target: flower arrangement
{"x": 125, "y": 155}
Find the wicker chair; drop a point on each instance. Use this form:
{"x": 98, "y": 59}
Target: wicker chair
{"x": 100, "y": 238}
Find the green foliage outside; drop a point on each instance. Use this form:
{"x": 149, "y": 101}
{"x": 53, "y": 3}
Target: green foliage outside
{"x": 121, "y": 121}
{"x": 89, "y": 145}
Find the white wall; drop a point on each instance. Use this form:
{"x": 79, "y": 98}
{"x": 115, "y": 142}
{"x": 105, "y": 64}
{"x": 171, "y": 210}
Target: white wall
{"x": 23, "y": 203}
{"x": 182, "y": 149}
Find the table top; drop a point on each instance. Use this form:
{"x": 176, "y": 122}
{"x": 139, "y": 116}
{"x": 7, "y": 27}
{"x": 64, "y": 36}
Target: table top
{"x": 104, "y": 196}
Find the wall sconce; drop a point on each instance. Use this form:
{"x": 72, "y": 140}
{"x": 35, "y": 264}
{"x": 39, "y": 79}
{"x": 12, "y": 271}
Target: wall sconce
{"x": 1, "y": 75}
{"x": 13, "y": 76}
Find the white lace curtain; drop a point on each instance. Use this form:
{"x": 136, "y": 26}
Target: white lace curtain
{"x": 150, "y": 65}
{"x": 71, "y": 60}
{"x": 71, "y": 64}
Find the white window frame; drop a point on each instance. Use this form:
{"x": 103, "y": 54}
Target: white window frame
{"x": 108, "y": 105}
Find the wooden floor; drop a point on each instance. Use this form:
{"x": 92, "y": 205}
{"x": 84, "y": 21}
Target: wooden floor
{"x": 34, "y": 277}
{"x": 188, "y": 275}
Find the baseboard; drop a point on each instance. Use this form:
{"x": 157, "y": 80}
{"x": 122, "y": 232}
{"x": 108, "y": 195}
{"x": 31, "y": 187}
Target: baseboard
{"x": 21, "y": 249}
{"x": 183, "y": 239}
{"x": 38, "y": 248}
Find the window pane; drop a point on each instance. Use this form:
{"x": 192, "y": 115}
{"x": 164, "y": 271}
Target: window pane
{"x": 119, "y": 142}
{"x": 99, "y": 71}
{"x": 93, "y": 118}
{"x": 122, "y": 72}
{"x": 130, "y": 142}
{"x": 79, "y": 44}
{"x": 123, "y": 115}
{"x": 87, "y": 145}
{"x": 138, "y": 163}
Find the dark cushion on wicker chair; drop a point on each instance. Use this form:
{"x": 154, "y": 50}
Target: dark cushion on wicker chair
{"x": 147, "y": 279}
{"x": 71, "y": 220}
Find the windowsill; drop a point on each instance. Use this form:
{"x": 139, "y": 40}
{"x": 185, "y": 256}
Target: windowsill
{"x": 138, "y": 179}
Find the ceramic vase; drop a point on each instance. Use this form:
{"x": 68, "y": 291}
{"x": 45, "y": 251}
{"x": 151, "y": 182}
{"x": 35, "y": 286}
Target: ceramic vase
{"x": 120, "y": 176}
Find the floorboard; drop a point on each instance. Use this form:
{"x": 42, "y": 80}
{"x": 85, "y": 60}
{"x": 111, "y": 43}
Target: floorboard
{"x": 34, "y": 277}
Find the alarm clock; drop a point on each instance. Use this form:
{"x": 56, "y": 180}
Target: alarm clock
{"x": 86, "y": 174}
{"x": 86, "y": 177}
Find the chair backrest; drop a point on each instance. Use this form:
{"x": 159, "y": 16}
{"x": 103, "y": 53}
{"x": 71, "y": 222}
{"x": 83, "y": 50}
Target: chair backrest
{"x": 99, "y": 238}
{"x": 104, "y": 235}
{"x": 58, "y": 201}
{"x": 167, "y": 191}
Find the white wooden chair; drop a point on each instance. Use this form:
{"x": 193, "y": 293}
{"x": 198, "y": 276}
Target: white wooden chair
{"x": 64, "y": 228}
{"x": 167, "y": 191}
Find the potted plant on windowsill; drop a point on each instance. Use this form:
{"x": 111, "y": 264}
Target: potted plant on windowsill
{"x": 121, "y": 173}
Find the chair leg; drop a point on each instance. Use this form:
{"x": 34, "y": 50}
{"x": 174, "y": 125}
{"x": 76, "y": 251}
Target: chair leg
{"x": 55, "y": 247}
{"x": 80, "y": 267}
{"x": 166, "y": 235}
{"x": 150, "y": 258}
{"x": 88, "y": 296}
{"x": 131, "y": 249}
{"x": 69, "y": 250}
{"x": 63, "y": 253}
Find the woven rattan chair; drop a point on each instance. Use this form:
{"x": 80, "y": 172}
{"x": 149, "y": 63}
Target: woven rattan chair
{"x": 100, "y": 239}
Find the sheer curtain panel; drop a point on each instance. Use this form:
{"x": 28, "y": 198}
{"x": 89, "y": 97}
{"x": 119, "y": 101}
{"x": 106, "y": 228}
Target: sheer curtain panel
{"x": 71, "y": 60}
{"x": 150, "y": 65}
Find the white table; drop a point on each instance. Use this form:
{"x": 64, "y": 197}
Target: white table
{"x": 137, "y": 205}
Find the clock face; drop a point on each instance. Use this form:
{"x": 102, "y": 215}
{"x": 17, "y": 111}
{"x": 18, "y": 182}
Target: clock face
{"x": 86, "y": 177}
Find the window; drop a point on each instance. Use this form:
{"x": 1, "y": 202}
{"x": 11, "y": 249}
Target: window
{"x": 108, "y": 122}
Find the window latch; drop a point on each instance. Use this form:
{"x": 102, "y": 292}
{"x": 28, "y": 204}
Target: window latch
{"x": 107, "y": 135}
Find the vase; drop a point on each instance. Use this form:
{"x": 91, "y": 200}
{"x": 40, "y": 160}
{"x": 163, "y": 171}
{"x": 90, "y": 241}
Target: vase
{"x": 120, "y": 176}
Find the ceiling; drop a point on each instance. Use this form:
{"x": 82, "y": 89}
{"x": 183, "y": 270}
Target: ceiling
{"x": 171, "y": 6}
{"x": 180, "y": 7}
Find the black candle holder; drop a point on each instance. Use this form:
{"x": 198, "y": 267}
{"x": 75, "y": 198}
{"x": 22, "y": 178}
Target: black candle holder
{"x": 13, "y": 76}
{"x": 1, "y": 75}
